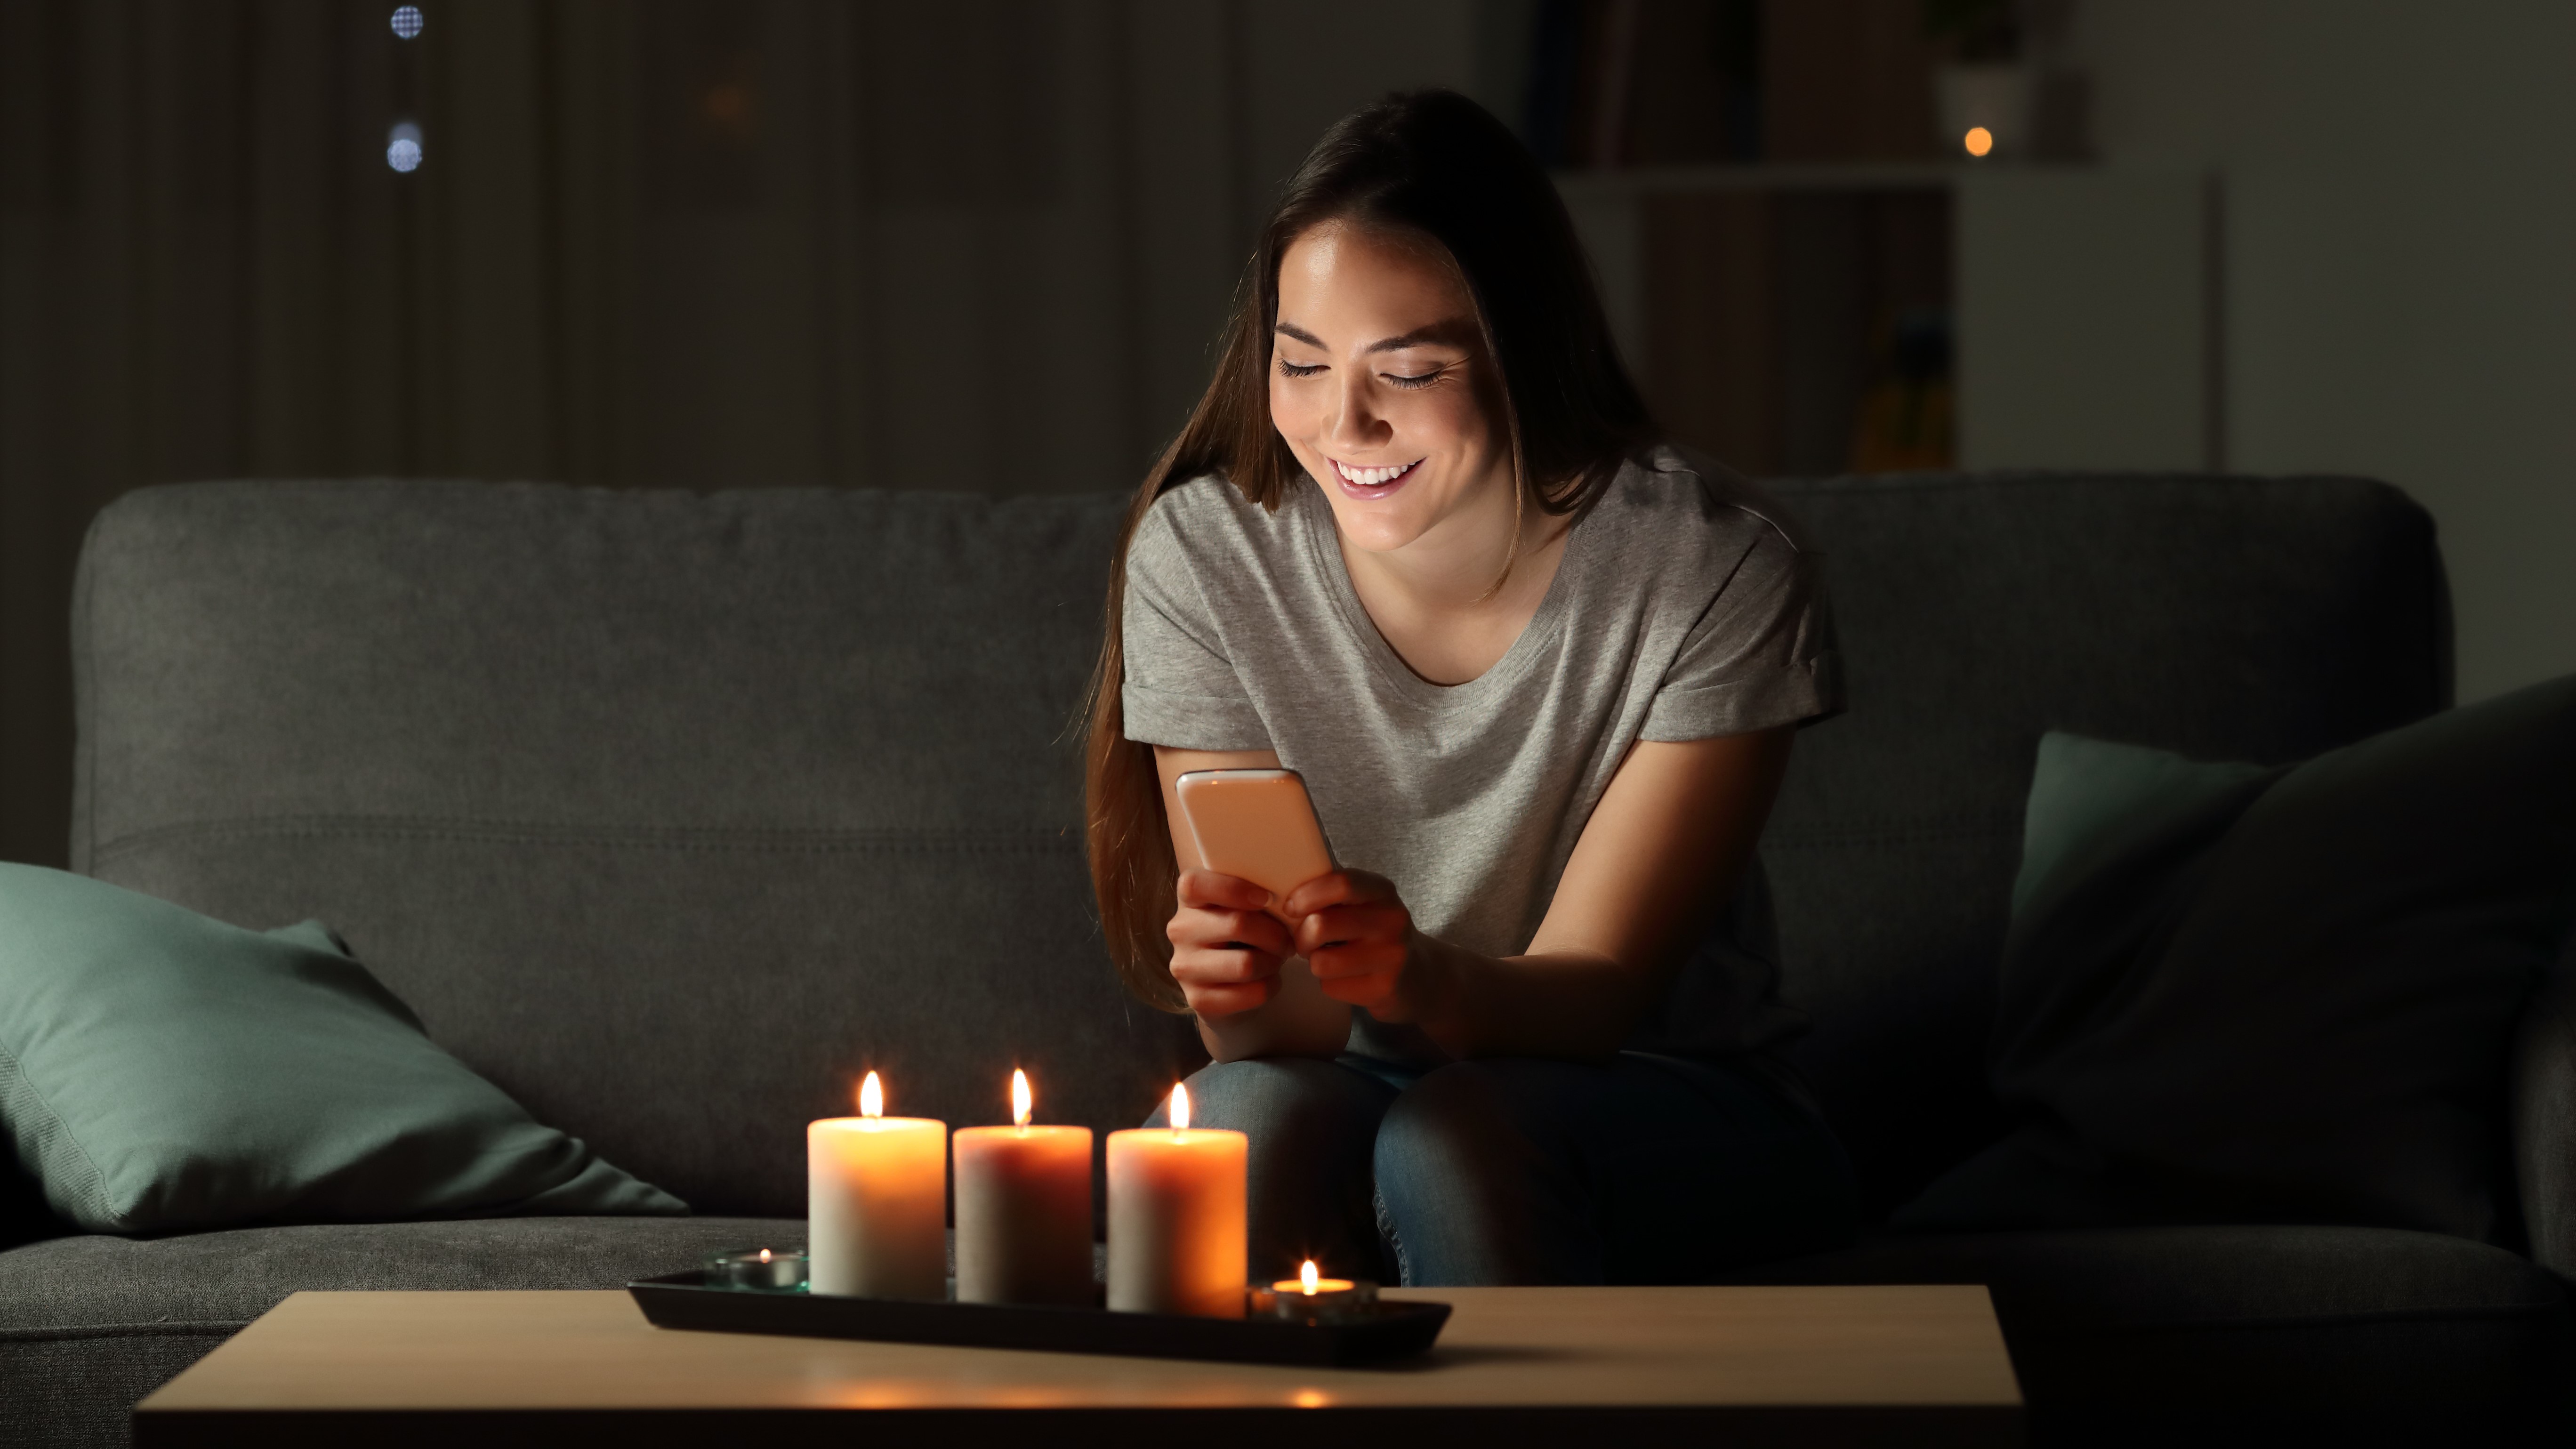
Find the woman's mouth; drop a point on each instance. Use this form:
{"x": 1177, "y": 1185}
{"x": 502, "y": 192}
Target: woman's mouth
{"x": 1373, "y": 482}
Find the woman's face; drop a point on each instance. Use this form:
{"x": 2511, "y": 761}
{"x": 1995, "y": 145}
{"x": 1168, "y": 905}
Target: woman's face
{"x": 1379, "y": 382}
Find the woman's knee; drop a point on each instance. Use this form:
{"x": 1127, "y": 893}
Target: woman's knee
{"x": 1285, "y": 1100}
{"x": 1467, "y": 1124}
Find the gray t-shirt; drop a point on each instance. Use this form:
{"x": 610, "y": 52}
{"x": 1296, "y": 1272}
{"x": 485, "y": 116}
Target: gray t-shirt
{"x": 1685, "y": 606}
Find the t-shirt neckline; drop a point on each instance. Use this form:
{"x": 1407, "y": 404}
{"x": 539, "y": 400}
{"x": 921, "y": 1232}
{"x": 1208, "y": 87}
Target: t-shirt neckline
{"x": 1323, "y": 539}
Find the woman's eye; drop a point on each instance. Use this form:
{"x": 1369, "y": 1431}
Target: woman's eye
{"x": 1290, "y": 369}
{"x": 1419, "y": 379}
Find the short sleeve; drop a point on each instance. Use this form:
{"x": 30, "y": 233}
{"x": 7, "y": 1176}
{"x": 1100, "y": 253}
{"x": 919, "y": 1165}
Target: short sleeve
{"x": 1760, "y": 656}
{"x": 1180, "y": 689}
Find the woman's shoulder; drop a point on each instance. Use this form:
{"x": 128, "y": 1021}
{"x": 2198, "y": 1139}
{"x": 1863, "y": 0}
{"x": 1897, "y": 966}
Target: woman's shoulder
{"x": 1209, "y": 512}
{"x": 1685, "y": 528}
{"x": 1206, "y": 529}
{"x": 1208, "y": 495}
{"x": 1683, "y": 496}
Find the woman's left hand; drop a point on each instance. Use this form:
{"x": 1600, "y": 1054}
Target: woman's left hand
{"x": 1358, "y": 938}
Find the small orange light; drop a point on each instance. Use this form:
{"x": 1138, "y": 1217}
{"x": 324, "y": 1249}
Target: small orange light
{"x": 1305, "y": 1277}
{"x": 1978, "y": 141}
{"x": 871, "y": 1097}
{"x": 1180, "y": 1107}
{"x": 764, "y": 1255}
{"x": 1020, "y": 1100}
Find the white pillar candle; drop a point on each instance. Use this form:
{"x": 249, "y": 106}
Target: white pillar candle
{"x": 1176, "y": 1218}
{"x": 876, "y": 1202}
{"x": 1023, "y": 1210}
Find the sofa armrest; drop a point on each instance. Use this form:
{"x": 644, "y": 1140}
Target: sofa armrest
{"x": 2542, "y": 1085}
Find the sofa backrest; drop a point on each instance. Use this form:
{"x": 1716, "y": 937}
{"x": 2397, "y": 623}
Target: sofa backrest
{"x": 2228, "y": 618}
{"x": 673, "y": 812}
{"x": 668, "y": 812}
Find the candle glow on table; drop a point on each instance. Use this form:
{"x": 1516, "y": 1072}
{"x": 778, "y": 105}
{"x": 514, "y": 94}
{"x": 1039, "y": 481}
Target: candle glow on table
{"x": 1023, "y": 1210}
{"x": 876, "y": 1202}
{"x": 1177, "y": 1218}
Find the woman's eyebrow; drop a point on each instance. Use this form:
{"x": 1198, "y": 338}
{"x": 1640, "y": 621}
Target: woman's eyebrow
{"x": 1436, "y": 332}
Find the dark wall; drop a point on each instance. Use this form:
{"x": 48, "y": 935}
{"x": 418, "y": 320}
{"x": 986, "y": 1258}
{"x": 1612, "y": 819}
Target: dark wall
{"x": 982, "y": 244}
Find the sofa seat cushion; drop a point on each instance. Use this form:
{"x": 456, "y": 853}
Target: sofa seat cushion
{"x": 90, "y": 1324}
{"x": 2137, "y": 1334}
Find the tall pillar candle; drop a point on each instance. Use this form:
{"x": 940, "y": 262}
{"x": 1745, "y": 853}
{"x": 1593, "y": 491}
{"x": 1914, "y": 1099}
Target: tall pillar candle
{"x": 876, "y": 1203}
{"x": 1023, "y": 1210}
{"x": 1176, "y": 1218}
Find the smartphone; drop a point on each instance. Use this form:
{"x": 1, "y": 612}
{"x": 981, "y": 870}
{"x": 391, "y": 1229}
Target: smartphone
{"x": 1255, "y": 825}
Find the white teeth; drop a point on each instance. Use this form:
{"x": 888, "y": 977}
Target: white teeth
{"x": 1371, "y": 477}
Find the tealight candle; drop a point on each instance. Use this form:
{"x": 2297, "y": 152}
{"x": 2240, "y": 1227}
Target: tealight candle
{"x": 1176, "y": 1218}
{"x": 876, "y": 1202}
{"x": 1023, "y": 1210}
{"x": 1312, "y": 1297}
{"x": 763, "y": 1269}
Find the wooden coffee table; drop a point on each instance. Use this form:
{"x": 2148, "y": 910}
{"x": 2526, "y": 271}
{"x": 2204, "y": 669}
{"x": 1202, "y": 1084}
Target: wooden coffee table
{"x": 1568, "y": 1368}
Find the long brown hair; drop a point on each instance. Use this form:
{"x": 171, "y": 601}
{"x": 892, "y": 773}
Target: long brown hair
{"x": 1435, "y": 165}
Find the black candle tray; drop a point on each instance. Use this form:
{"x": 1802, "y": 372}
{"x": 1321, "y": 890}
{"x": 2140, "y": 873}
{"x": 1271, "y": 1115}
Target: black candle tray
{"x": 1391, "y": 1330}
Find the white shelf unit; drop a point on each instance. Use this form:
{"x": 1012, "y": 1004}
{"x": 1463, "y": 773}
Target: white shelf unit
{"x": 2086, "y": 302}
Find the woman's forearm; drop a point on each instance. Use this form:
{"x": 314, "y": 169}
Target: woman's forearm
{"x": 1557, "y": 1004}
{"x": 1656, "y": 863}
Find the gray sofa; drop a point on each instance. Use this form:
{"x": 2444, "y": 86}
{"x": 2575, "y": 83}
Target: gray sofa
{"x": 670, "y": 811}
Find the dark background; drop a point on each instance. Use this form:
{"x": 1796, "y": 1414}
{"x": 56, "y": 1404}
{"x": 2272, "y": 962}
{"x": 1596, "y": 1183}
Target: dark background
{"x": 985, "y": 244}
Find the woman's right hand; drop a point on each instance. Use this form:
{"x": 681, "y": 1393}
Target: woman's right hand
{"x": 1226, "y": 946}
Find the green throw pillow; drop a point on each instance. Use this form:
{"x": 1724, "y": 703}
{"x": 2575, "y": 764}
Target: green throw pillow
{"x": 160, "y": 1071}
{"x": 2232, "y": 993}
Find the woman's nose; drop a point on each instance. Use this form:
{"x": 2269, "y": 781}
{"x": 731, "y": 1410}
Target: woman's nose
{"x": 1355, "y": 425}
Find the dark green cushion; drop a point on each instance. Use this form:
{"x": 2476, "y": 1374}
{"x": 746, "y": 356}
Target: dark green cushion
{"x": 161, "y": 1070}
{"x": 2232, "y": 993}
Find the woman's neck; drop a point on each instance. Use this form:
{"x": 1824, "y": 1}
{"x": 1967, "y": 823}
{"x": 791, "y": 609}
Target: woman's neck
{"x": 1434, "y": 600}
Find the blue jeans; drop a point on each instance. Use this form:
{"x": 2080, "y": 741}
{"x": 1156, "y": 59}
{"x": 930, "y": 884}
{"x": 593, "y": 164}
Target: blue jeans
{"x": 1641, "y": 1169}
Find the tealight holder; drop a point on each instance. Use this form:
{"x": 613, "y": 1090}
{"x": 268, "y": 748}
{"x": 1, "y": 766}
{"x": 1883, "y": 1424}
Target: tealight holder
{"x": 1328, "y": 1300}
{"x": 761, "y": 1270}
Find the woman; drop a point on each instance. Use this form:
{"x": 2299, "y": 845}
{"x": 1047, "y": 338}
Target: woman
{"x": 1541, "y": 677}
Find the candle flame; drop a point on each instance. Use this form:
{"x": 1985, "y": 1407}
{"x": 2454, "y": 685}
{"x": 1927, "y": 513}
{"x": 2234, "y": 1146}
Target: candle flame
{"x": 764, "y": 1255}
{"x": 1019, "y": 1098}
{"x": 871, "y": 1097}
{"x": 1306, "y": 1277}
{"x": 1180, "y": 1107}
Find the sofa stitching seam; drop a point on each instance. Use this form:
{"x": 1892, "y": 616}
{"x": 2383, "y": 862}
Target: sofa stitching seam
{"x": 1021, "y": 841}
{"x": 95, "y": 1188}
{"x": 189, "y": 1328}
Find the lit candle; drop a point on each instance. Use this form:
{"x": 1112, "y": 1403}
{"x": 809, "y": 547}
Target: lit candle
{"x": 1309, "y": 1283}
{"x": 1176, "y": 1218}
{"x": 1023, "y": 1210}
{"x": 760, "y": 1269}
{"x": 876, "y": 1202}
{"x": 1312, "y": 1297}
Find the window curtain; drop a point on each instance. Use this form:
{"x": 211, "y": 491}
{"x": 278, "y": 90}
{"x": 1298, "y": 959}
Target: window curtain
{"x": 981, "y": 244}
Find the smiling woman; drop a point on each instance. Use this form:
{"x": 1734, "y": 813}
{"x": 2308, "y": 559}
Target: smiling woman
{"x": 1401, "y": 424}
{"x": 1419, "y": 543}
